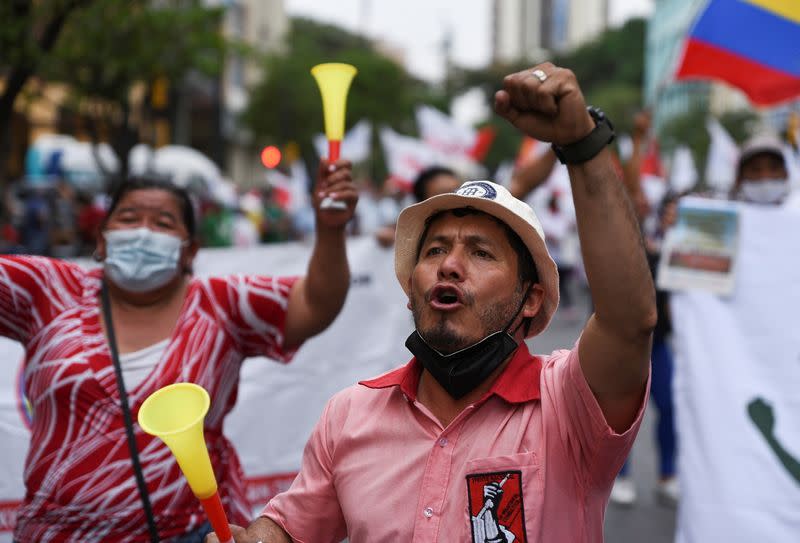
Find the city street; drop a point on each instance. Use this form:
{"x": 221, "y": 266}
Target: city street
{"x": 174, "y": 167}
{"x": 646, "y": 520}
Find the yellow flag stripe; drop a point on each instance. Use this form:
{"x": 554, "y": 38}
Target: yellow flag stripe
{"x": 788, "y": 9}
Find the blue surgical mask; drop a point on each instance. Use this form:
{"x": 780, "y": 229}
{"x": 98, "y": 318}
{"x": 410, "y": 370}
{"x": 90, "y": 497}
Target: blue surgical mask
{"x": 141, "y": 260}
{"x": 765, "y": 191}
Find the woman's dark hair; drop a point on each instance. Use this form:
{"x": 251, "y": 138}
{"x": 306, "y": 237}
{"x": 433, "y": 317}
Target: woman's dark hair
{"x": 145, "y": 183}
{"x": 424, "y": 178}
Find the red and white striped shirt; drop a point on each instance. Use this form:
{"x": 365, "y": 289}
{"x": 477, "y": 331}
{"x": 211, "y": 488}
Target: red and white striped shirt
{"x": 78, "y": 474}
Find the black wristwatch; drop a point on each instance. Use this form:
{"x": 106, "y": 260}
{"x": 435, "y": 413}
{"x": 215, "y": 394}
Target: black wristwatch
{"x": 594, "y": 142}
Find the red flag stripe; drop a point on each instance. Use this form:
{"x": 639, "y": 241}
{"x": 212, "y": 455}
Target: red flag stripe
{"x": 763, "y": 85}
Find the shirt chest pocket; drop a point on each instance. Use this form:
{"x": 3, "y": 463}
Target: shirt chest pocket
{"x": 504, "y": 497}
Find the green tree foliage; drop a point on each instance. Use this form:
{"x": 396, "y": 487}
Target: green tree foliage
{"x": 619, "y": 101}
{"x": 488, "y": 79}
{"x": 109, "y": 47}
{"x": 689, "y": 130}
{"x": 113, "y": 44}
{"x": 610, "y": 70}
{"x": 615, "y": 57}
{"x": 739, "y": 124}
{"x": 287, "y": 106}
{"x": 28, "y": 33}
{"x": 101, "y": 50}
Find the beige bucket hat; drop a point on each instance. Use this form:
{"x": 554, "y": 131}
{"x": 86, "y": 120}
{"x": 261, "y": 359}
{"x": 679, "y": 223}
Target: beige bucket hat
{"x": 493, "y": 200}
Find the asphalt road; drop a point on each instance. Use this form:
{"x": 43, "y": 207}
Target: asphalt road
{"x": 647, "y": 520}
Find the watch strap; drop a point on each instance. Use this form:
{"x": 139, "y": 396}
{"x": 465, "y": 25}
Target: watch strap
{"x": 589, "y": 146}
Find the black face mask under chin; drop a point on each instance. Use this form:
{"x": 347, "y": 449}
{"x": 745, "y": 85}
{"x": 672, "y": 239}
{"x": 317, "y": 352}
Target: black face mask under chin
{"x": 461, "y": 372}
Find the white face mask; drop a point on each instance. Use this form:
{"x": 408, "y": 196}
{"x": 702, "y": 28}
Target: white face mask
{"x": 766, "y": 191}
{"x": 140, "y": 260}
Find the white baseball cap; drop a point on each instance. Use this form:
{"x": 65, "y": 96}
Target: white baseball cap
{"x": 763, "y": 142}
{"x": 493, "y": 200}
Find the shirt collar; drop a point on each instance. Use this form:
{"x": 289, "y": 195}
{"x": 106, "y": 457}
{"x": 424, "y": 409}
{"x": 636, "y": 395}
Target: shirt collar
{"x": 518, "y": 383}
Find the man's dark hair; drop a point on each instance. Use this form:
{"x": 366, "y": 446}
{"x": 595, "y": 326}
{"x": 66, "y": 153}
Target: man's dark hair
{"x": 145, "y": 183}
{"x": 526, "y": 267}
{"x": 424, "y": 178}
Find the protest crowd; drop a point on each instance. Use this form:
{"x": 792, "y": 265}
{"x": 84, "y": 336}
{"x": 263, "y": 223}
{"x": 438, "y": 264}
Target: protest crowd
{"x": 372, "y": 368}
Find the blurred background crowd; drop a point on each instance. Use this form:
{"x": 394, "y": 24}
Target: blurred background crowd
{"x": 217, "y": 97}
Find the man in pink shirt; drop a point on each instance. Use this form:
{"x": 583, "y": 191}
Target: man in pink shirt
{"x": 475, "y": 439}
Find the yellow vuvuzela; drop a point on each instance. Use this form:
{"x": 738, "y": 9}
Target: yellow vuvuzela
{"x": 175, "y": 415}
{"x": 333, "y": 80}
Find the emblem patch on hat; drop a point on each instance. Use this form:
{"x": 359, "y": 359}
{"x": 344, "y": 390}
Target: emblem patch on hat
{"x": 477, "y": 189}
{"x": 495, "y": 507}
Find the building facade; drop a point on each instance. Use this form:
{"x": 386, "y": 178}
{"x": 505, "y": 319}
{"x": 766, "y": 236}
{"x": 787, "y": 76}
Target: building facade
{"x": 587, "y": 20}
{"x": 530, "y": 30}
{"x": 262, "y": 25}
{"x": 517, "y": 31}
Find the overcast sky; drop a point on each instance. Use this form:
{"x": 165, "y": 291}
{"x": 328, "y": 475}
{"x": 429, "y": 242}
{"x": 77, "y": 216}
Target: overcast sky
{"x": 418, "y": 26}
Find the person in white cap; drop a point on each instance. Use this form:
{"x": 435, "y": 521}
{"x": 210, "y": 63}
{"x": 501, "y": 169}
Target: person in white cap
{"x": 475, "y": 439}
{"x": 761, "y": 173}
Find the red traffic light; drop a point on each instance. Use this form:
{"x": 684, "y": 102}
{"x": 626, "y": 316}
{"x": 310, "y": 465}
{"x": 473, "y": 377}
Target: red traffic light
{"x": 270, "y": 156}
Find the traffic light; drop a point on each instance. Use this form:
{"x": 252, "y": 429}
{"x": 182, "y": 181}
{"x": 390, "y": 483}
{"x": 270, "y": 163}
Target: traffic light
{"x": 270, "y": 156}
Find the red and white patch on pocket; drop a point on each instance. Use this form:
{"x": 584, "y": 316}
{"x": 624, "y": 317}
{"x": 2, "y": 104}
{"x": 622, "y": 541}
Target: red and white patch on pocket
{"x": 496, "y": 510}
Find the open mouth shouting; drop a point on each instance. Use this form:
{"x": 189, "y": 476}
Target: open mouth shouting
{"x": 445, "y": 297}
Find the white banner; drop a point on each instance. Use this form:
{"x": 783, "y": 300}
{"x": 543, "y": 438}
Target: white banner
{"x": 356, "y": 144}
{"x": 278, "y": 404}
{"x": 736, "y": 392}
{"x": 683, "y": 173}
{"x": 443, "y": 133}
{"x": 406, "y": 156}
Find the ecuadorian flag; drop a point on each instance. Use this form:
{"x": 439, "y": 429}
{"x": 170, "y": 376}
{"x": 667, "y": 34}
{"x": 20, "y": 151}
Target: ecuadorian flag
{"x": 753, "y": 45}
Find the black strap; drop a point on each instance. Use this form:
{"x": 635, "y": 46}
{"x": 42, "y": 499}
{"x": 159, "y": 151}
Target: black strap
{"x": 126, "y": 414}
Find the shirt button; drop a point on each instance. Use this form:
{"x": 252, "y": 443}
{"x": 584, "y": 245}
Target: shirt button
{"x": 428, "y": 512}
{"x": 443, "y": 442}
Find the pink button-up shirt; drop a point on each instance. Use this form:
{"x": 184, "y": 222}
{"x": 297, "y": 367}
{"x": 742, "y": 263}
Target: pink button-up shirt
{"x": 379, "y": 467}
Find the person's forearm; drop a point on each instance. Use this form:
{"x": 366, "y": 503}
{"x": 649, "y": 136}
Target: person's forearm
{"x": 532, "y": 174}
{"x": 613, "y": 252}
{"x": 328, "y": 277}
{"x": 267, "y": 531}
{"x": 261, "y": 530}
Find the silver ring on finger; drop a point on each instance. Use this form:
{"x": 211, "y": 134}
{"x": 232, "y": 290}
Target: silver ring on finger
{"x": 540, "y": 75}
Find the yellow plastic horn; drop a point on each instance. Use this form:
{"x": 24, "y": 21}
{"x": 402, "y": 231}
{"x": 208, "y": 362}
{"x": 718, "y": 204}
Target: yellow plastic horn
{"x": 333, "y": 79}
{"x": 175, "y": 414}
